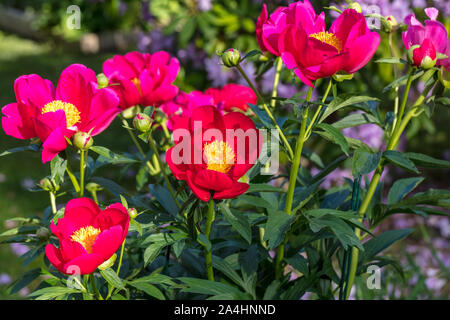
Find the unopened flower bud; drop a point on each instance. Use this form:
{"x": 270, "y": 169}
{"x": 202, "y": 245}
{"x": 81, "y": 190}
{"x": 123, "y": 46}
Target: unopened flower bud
{"x": 132, "y": 212}
{"x": 43, "y": 234}
{"x": 142, "y": 122}
{"x": 83, "y": 140}
{"x": 108, "y": 263}
{"x": 93, "y": 187}
{"x": 391, "y": 21}
{"x": 423, "y": 56}
{"x": 48, "y": 185}
{"x": 231, "y": 58}
{"x": 102, "y": 81}
{"x": 129, "y": 113}
{"x": 355, "y": 6}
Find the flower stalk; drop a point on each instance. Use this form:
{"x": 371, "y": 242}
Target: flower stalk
{"x": 208, "y": 253}
{"x": 276, "y": 80}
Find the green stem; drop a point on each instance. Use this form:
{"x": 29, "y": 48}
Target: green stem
{"x": 293, "y": 179}
{"x": 393, "y": 141}
{"x": 269, "y": 113}
{"x": 319, "y": 108}
{"x": 118, "y": 269}
{"x": 404, "y": 100}
{"x": 82, "y": 162}
{"x": 95, "y": 288}
{"x": 53, "y": 202}
{"x": 208, "y": 253}
{"x": 152, "y": 170}
{"x": 72, "y": 177}
{"x": 276, "y": 80}
{"x": 94, "y": 196}
{"x": 160, "y": 164}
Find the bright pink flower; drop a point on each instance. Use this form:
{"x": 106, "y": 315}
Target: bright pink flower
{"x": 269, "y": 29}
{"x": 315, "y": 53}
{"x": 87, "y": 236}
{"x": 212, "y": 152}
{"x": 142, "y": 78}
{"x": 183, "y": 105}
{"x": 53, "y": 116}
{"x": 433, "y": 30}
{"x": 424, "y": 54}
{"x": 233, "y": 96}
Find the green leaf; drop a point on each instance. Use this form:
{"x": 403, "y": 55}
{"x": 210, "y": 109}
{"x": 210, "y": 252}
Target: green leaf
{"x": 50, "y": 293}
{"x": 238, "y": 221}
{"x": 57, "y": 168}
{"x": 112, "y": 278}
{"x": 111, "y": 157}
{"x": 400, "y": 160}
{"x": 277, "y": 226}
{"x": 354, "y": 119}
{"x": 334, "y": 135}
{"x": 33, "y": 147}
{"x": 431, "y": 197}
{"x": 392, "y": 60}
{"x": 402, "y": 81}
{"x": 298, "y": 262}
{"x": 262, "y": 116}
{"x": 208, "y": 287}
{"x": 423, "y": 160}
{"x": 364, "y": 162}
{"x": 401, "y": 188}
{"x": 25, "y": 280}
{"x": 383, "y": 241}
{"x": 255, "y": 201}
{"x": 112, "y": 187}
{"x": 263, "y": 187}
{"x": 164, "y": 197}
{"x": 342, "y": 101}
{"x": 149, "y": 289}
{"x": 204, "y": 241}
{"x": 227, "y": 270}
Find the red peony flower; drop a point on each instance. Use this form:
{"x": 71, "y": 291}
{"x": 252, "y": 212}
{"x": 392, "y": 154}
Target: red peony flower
{"x": 313, "y": 53}
{"x": 233, "y": 96}
{"x": 213, "y": 151}
{"x": 76, "y": 105}
{"x": 142, "y": 78}
{"x": 87, "y": 236}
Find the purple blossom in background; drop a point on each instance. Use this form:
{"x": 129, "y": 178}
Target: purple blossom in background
{"x": 192, "y": 55}
{"x": 28, "y": 183}
{"x": 217, "y": 73}
{"x": 5, "y": 279}
{"x": 155, "y": 41}
{"x": 19, "y": 249}
{"x": 370, "y": 134}
{"x": 284, "y": 90}
{"x": 204, "y": 5}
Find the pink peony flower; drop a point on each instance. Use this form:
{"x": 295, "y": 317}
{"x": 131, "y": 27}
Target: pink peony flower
{"x": 142, "y": 78}
{"x": 233, "y": 96}
{"x": 433, "y": 30}
{"x": 76, "y": 105}
{"x": 269, "y": 29}
{"x": 315, "y": 53}
{"x": 183, "y": 105}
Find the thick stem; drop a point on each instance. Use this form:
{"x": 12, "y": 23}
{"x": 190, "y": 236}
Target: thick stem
{"x": 269, "y": 113}
{"x": 293, "y": 179}
{"x": 208, "y": 253}
{"x": 53, "y": 201}
{"x": 276, "y": 80}
{"x": 82, "y": 165}
{"x": 160, "y": 164}
{"x": 404, "y": 100}
{"x": 319, "y": 108}
{"x": 72, "y": 177}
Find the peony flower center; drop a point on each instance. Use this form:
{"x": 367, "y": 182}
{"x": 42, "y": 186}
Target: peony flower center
{"x": 219, "y": 156}
{"x": 72, "y": 113}
{"x": 86, "y": 237}
{"x": 137, "y": 83}
{"x": 328, "y": 38}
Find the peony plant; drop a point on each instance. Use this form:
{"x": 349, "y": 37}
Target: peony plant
{"x": 224, "y": 204}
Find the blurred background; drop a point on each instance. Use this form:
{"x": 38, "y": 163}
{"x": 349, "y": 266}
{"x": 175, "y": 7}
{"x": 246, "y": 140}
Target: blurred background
{"x": 44, "y": 37}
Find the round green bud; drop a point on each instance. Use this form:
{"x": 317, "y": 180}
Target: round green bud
{"x": 231, "y": 58}
{"x": 355, "y": 6}
{"x": 43, "y": 234}
{"x": 132, "y": 212}
{"x": 142, "y": 122}
{"x": 129, "y": 113}
{"x": 102, "y": 81}
{"x": 82, "y": 140}
{"x": 46, "y": 184}
{"x": 108, "y": 263}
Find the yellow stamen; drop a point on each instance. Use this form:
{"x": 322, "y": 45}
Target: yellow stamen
{"x": 219, "y": 156}
{"x": 72, "y": 113}
{"x": 328, "y": 38}
{"x": 86, "y": 237}
{"x": 137, "y": 83}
